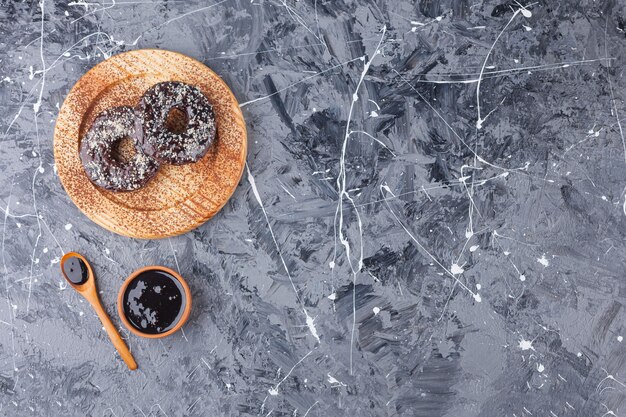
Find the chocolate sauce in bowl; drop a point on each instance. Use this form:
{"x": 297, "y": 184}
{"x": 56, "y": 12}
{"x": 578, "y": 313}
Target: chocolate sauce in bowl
{"x": 154, "y": 302}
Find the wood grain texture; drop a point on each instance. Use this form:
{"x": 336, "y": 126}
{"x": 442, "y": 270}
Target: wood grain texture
{"x": 179, "y": 198}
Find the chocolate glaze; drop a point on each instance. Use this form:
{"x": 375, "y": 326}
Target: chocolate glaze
{"x": 98, "y": 157}
{"x": 154, "y": 302}
{"x": 75, "y": 270}
{"x": 169, "y": 146}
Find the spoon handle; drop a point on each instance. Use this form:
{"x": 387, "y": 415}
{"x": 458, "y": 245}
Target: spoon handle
{"x": 114, "y": 335}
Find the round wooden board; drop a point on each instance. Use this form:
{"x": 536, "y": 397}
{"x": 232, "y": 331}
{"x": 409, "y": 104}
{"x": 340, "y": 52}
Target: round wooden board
{"x": 179, "y": 198}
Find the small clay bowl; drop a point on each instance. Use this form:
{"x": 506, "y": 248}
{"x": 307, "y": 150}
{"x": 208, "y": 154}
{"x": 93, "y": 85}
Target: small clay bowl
{"x": 154, "y": 302}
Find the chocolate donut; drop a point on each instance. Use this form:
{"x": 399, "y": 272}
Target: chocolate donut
{"x": 162, "y": 143}
{"x": 97, "y": 152}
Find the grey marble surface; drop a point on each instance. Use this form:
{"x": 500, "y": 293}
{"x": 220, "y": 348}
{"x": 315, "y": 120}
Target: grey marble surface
{"x": 432, "y": 223}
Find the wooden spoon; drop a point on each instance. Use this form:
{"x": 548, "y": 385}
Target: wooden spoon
{"x": 79, "y": 275}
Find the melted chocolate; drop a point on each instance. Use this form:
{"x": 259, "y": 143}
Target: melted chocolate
{"x": 75, "y": 270}
{"x": 154, "y": 302}
{"x": 100, "y": 157}
{"x": 183, "y": 143}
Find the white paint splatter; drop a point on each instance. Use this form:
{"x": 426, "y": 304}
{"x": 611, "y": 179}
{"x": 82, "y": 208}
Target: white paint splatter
{"x": 456, "y": 269}
{"x": 297, "y": 82}
{"x": 480, "y": 120}
{"x": 333, "y": 380}
{"x": 80, "y": 3}
{"x": 540, "y": 367}
{"x": 310, "y": 322}
{"x": 474, "y": 248}
{"x": 386, "y": 188}
{"x": 333, "y": 296}
{"x": 620, "y": 338}
{"x": 68, "y": 226}
{"x": 543, "y": 260}
{"x": 526, "y": 344}
{"x": 525, "y": 12}
{"x": 376, "y": 310}
{"x": 37, "y": 104}
{"x": 344, "y": 195}
{"x": 274, "y": 390}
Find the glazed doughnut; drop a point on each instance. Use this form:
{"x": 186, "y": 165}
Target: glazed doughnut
{"x": 98, "y": 158}
{"x": 165, "y": 145}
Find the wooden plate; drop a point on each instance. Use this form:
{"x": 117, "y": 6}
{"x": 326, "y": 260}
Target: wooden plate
{"x": 179, "y": 198}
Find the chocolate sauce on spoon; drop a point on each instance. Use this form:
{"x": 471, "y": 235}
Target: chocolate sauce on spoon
{"x": 75, "y": 270}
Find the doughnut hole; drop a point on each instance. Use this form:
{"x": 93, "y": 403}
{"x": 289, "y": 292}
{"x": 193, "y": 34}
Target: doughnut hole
{"x": 123, "y": 150}
{"x": 176, "y": 121}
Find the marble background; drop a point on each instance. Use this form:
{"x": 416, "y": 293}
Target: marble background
{"x": 431, "y": 224}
